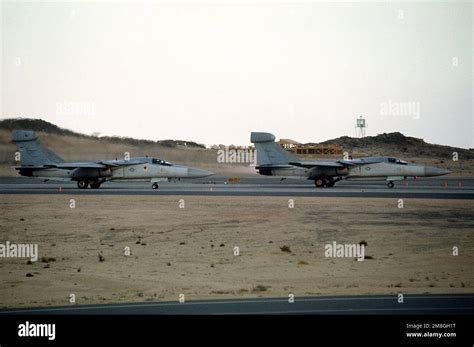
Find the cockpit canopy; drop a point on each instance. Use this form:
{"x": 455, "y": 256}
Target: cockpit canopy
{"x": 159, "y": 161}
{"x": 397, "y": 161}
{"x": 370, "y": 160}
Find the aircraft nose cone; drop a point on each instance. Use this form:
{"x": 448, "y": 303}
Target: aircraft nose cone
{"x": 195, "y": 173}
{"x": 434, "y": 171}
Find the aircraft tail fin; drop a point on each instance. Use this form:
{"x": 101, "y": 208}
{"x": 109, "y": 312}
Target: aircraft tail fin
{"x": 268, "y": 151}
{"x": 31, "y": 151}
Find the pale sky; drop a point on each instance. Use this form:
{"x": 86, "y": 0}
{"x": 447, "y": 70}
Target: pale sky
{"x": 212, "y": 72}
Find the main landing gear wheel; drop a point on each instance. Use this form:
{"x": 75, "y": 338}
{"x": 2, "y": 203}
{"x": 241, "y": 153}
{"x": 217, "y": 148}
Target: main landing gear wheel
{"x": 155, "y": 186}
{"x": 82, "y": 184}
{"x": 95, "y": 185}
{"x": 390, "y": 184}
{"x": 324, "y": 182}
{"x": 319, "y": 182}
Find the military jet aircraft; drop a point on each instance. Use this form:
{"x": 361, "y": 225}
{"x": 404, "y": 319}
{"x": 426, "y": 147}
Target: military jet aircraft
{"x": 37, "y": 161}
{"x": 272, "y": 160}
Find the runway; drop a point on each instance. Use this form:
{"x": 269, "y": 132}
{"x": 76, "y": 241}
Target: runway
{"x": 426, "y": 188}
{"x": 452, "y": 304}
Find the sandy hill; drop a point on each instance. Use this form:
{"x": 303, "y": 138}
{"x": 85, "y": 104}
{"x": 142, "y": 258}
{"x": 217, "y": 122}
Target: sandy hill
{"x": 389, "y": 144}
{"x": 40, "y": 125}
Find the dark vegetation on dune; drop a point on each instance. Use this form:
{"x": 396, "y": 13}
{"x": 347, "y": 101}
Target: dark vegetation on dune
{"x": 40, "y": 125}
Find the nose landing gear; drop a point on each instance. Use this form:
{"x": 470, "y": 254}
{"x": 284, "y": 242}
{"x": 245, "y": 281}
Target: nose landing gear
{"x": 390, "y": 184}
{"x": 154, "y": 186}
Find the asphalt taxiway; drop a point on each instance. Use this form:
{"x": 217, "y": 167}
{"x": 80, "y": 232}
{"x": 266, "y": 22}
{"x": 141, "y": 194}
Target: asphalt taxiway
{"x": 252, "y": 185}
{"x": 452, "y": 304}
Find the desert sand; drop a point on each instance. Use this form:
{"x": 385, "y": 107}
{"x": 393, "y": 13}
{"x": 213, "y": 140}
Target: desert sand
{"x": 190, "y": 250}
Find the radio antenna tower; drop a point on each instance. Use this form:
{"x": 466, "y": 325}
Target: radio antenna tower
{"x": 361, "y": 125}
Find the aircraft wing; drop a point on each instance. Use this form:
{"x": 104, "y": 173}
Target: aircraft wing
{"x": 94, "y": 165}
{"x": 123, "y": 162}
{"x": 348, "y": 162}
{"x": 275, "y": 166}
{"x": 335, "y": 163}
{"x": 310, "y": 164}
{"x": 76, "y": 166}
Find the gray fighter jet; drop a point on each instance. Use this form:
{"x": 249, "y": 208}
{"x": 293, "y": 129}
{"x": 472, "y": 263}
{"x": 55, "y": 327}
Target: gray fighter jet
{"x": 37, "y": 161}
{"x": 272, "y": 160}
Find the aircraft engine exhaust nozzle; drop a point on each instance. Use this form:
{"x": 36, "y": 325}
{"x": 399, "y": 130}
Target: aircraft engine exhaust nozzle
{"x": 431, "y": 171}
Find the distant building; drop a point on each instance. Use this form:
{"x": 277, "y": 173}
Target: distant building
{"x": 311, "y": 150}
{"x": 287, "y": 143}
